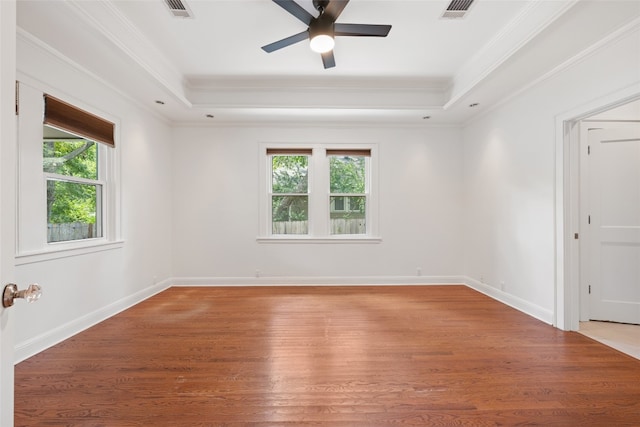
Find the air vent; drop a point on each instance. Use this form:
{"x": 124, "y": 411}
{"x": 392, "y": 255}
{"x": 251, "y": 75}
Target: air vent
{"x": 178, "y": 8}
{"x": 457, "y": 9}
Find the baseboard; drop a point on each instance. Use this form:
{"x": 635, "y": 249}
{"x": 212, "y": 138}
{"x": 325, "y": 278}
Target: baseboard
{"x": 317, "y": 281}
{"x": 50, "y": 338}
{"x": 526, "y": 307}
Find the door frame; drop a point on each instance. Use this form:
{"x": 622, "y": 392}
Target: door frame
{"x": 567, "y": 203}
{"x": 8, "y": 162}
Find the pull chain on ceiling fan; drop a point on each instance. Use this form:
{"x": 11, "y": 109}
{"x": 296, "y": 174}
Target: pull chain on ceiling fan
{"x": 323, "y": 28}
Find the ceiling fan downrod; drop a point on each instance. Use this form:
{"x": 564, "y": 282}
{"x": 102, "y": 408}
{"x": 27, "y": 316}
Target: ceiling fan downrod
{"x": 320, "y": 5}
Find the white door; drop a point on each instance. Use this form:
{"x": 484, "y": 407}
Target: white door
{"x": 6, "y": 363}
{"x": 7, "y": 199}
{"x": 613, "y": 223}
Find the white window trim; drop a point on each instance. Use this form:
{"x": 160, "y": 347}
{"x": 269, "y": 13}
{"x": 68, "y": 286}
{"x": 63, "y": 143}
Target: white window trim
{"x": 32, "y": 245}
{"x": 319, "y": 196}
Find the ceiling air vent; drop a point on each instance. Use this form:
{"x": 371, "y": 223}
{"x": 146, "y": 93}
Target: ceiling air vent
{"x": 178, "y": 8}
{"x": 457, "y": 9}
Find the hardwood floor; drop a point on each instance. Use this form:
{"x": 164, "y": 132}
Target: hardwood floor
{"x": 335, "y": 356}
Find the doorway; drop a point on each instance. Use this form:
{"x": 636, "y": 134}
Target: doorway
{"x": 571, "y": 299}
{"x": 572, "y": 291}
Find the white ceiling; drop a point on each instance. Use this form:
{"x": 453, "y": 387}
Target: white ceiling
{"x": 427, "y": 66}
{"x": 224, "y": 37}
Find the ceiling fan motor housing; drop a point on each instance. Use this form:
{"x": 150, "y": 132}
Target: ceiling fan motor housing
{"x": 320, "y": 5}
{"x": 322, "y": 25}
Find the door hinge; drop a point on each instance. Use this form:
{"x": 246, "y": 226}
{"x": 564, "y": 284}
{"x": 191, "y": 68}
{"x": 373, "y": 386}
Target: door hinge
{"x": 588, "y": 149}
{"x": 575, "y": 236}
{"x": 589, "y": 219}
{"x": 589, "y": 289}
{"x": 17, "y": 97}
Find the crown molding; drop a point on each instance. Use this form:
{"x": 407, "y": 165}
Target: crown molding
{"x": 34, "y": 44}
{"x": 317, "y": 83}
{"x": 307, "y": 124}
{"x": 531, "y": 21}
{"x": 314, "y": 99}
{"x": 626, "y": 30}
{"x": 313, "y": 93}
{"x": 116, "y": 28}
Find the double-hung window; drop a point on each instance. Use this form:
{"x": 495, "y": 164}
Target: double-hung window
{"x": 348, "y": 183}
{"x": 68, "y": 187}
{"x": 318, "y": 192}
{"x": 289, "y": 191}
{"x": 74, "y": 150}
{"x": 75, "y": 182}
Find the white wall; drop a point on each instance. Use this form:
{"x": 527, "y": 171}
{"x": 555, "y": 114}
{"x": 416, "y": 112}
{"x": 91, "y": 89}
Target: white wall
{"x": 81, "y": 290}
{"x": 215, "y": 193}
{"x": 626, "y": 112}
{"x": 509, "y": 173}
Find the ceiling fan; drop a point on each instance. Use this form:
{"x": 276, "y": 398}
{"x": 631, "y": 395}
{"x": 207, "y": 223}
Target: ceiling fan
{"x": 323, "y": 28}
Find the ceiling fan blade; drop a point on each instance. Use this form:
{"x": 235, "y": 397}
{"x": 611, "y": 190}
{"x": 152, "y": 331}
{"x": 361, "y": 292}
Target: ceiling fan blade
{"x": 296, "y": 10}
{"x": 286, "y": 41}
{"x": 362, "y": 30}
{"x": 328, "y": 60}
{"x": 335, "y": 8}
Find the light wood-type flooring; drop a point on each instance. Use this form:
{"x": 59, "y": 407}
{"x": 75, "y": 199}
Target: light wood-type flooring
{"x": 327, "y": 356}
{"x": 621, "y": 336}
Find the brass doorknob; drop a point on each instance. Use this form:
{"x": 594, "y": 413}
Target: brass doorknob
{"x": 11, "y": 292}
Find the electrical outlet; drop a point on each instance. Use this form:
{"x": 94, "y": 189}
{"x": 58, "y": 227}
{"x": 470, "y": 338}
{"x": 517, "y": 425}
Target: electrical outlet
{"x": 418, "y": 271}
{"x": 502, "y": 285}
{"x": 257, "y": 273}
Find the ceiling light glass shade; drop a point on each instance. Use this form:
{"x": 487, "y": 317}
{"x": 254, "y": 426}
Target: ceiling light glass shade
{"x": 322, "y": 43}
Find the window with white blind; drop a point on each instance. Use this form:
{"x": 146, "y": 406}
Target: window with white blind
{"x": 318, "y": 192}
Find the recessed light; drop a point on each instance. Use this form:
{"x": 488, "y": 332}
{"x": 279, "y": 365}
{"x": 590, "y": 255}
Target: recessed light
{"x": 210, "y": 116}
{"x": 475, "y": 104}
{"x": 159, "y": 102}
{"x": 426, "y": 117}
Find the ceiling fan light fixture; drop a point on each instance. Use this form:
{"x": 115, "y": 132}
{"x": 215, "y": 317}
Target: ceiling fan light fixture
{"x": 322, "y": 43}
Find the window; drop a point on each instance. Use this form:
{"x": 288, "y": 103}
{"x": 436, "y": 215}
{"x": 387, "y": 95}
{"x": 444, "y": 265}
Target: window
{"x": 348, "y": 188}
{"x": 72, "y": 173}
{"x": 74, "y": 142}
{"x": 318, "y": 192}
{"x": 289, "y": 191}
{"x": 68, "y": 186}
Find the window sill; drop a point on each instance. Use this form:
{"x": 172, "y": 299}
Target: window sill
{"x": 67, "y": 251}
{"x": 320, "y": 240}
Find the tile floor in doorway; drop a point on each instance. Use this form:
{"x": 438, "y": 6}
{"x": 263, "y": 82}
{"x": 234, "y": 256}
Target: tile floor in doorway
{"x": 622, "y": 337}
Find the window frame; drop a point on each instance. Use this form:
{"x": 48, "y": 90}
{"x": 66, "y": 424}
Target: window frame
{"x": 347, "y": 196}
{"x": 319, "y": 193}
{"x": 32, "y": 245}
{"x": 288, "y": 152}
